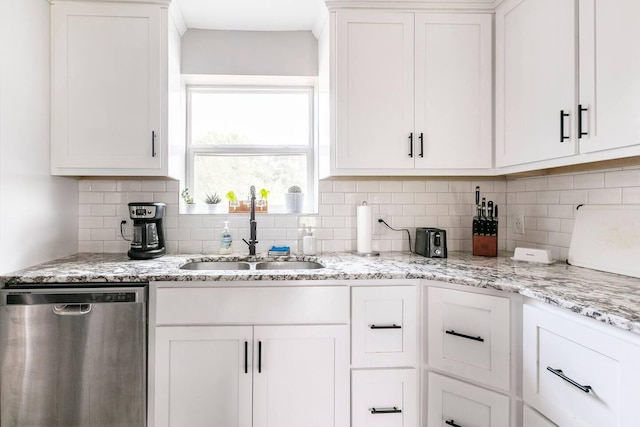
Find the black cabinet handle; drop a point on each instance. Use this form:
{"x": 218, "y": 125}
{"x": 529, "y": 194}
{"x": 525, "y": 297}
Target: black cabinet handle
{"x": 469, "y": 337}
{"x": 393, "y": 410}
{"x": 246, "y": 357}
{"x": 259, "y": 356}
{"x": 411, "y": 144}
{"x": 394, "y": 326}
{"x": 153, "y": 143}
{"x": 562, "y": 116}
{"x": 558, "y": 372}
{"x": 580, "y": 111}
{"x": 452, "y": 423}
{"x": 421, "y": 137}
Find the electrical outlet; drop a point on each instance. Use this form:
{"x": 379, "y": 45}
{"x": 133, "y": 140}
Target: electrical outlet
{"x": 378, "y": 227}
{"x": 518, "y": 224}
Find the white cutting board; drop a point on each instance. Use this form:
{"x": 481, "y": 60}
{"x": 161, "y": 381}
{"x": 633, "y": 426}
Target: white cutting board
{"x": 607, "y": 238}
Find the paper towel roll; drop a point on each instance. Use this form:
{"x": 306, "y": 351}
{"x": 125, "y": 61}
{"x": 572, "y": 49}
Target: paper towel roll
{"x": 364, "y": 228}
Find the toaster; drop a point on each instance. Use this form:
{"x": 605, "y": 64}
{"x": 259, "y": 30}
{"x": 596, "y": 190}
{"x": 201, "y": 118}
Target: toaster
{"x": 431, "y": 242}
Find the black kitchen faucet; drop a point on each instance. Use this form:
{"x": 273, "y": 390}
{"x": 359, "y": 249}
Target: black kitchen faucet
{"x": 253, "y": 226}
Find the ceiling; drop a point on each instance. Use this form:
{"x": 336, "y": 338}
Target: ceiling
{"x": 251, "y": 15}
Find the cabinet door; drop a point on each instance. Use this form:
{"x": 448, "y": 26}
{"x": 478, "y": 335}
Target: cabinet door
{"x": 384, "y": 326}
{"x": 203, "y": 376}
{"x": 531, "y": 418}
{"x": 453, "y": 91}
{"x": 106, "y": 86}
{"x": 374, "y": 117}
{"x": 469, "y": 335}
{"x": 384, "y": 398}
{"x": 609, "y": 74}
{"x": 535, "y": 80}
{"x": 456, "y": 403}
{"x": 301, "y": 376}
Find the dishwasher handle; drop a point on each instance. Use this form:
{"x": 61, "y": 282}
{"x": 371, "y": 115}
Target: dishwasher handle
{"x": 71, "y": 309}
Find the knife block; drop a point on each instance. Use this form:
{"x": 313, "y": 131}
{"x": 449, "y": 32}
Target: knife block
{"x": 485, "y": 245}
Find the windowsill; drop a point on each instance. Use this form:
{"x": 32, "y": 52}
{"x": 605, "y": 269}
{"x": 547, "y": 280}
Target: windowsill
{"x": 223, "y": 209}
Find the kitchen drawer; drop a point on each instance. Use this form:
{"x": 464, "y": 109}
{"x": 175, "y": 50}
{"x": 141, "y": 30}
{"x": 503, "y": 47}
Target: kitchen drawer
{"x": 252, "y": 305}
{"x": 384, "y": 398}
{"x": 595, "y": 375}
{"x": 469, "y": 335}
{"x": 384, "y": 326}
{"x": 532, "y": 418}
{"x": 457, "y": 403}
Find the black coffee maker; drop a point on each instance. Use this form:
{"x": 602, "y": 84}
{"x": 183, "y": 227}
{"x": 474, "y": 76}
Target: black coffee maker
{"x": 148, "y": 236}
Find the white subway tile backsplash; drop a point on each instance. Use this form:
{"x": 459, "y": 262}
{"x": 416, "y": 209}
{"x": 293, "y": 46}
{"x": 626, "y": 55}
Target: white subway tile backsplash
{"x": 588, "y": 180}
{"x": 153, "y": 186}
{"x": 367, "y": 186}
{"x": 608, "y": 196}
{"x": 631, "y": 195}
{"x": 560, "y": 182}
{"x": 547, "y": 202}
{"x": 391, "y": 186}
{"x": 626, "y": 178}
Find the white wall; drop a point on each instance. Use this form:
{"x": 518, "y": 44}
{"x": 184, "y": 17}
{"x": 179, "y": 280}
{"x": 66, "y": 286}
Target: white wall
{"x": 38, "y": 212}
{"x": 257, "y": 53}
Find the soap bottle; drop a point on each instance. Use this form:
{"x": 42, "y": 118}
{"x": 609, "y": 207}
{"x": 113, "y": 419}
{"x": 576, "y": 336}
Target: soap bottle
{"x": 226, "y": 240}
{"x": 309, "y": 243}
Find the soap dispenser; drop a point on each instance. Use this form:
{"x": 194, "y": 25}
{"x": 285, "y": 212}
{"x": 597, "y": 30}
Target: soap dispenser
{"x": 309, "y": 243}
{"x": 226, "y": 240}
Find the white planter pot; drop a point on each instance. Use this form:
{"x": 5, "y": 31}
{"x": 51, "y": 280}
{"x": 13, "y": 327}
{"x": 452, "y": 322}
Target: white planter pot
{"x": 293, "y": 202}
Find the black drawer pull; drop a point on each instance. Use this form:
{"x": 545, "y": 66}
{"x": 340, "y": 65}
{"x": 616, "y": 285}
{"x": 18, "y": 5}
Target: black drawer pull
{"x": 558, "y": 372}
{"x": 153, "y": 143}
{"x": 393, "y": 410}
{"x": 469, "y": 337}
{"x": 580, "y": 111}
{"x": 562, "y": 116}
{"x": 394, "y": 326}
{"x": 259, "y": 357}
{"x": 421, "y": 137}
{"x": 452, "y": 423}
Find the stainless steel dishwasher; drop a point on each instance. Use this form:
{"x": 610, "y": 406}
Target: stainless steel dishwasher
{"x": 73, "y": 357}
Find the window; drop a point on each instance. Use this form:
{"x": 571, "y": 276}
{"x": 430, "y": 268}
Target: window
{"x": 240, "y": 136}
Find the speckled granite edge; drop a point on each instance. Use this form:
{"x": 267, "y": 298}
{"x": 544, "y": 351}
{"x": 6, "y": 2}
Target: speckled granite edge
{"x": 608, "y": 298}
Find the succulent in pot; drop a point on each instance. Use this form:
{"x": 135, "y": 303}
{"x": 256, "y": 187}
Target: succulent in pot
{"x": 294, "y": 199}
{"x": 212, "y": 199}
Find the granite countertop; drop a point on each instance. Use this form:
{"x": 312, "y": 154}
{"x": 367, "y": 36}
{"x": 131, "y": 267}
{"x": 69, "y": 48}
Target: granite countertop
{"x": 609, "y": 298}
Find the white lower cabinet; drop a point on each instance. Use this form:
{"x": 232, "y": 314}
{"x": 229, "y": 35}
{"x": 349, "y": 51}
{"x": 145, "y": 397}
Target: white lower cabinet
{"x": 262, "y": 374}
{"x": 575, "y": 373}
{"x": 458, "y": 404}
{"x": 384, "y": 398}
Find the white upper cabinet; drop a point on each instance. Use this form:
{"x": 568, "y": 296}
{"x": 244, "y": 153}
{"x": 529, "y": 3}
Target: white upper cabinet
{"x": 535, "y": 80}
{"x": 374, "y": 90}
{"x": 556, "y": 57}
{"x": 453, "y": 91}
{"x": 413, "y": 93}
{"x": 109, "y": 88}
{"x": 609, "y": 74}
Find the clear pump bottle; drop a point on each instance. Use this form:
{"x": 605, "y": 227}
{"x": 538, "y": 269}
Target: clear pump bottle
{"x": 226, "y": 240}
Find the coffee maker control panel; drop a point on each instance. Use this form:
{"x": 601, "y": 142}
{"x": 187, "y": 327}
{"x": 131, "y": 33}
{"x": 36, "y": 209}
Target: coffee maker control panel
{"x": 142, "y": 212}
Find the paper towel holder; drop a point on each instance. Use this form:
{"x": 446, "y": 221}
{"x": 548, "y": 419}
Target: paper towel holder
{"x": 369, "y": 253}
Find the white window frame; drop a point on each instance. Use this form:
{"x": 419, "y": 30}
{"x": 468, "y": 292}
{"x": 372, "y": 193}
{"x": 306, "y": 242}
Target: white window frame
{"x": 310, "y": 149}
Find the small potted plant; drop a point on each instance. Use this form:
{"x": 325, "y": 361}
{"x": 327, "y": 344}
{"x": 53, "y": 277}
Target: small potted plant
{"x": 212, "y": 201}
{"x": 261, "y": 203}
{"x": 294, "y": 199}
{"x": 188, "y": 200}
{"x": 233, "y": 201}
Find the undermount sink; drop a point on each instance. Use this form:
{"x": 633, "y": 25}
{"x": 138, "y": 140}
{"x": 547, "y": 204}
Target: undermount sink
{"x": 288, "y": 265}
{"x": 216, "y": 265}
{"x": 263, "y": 265}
